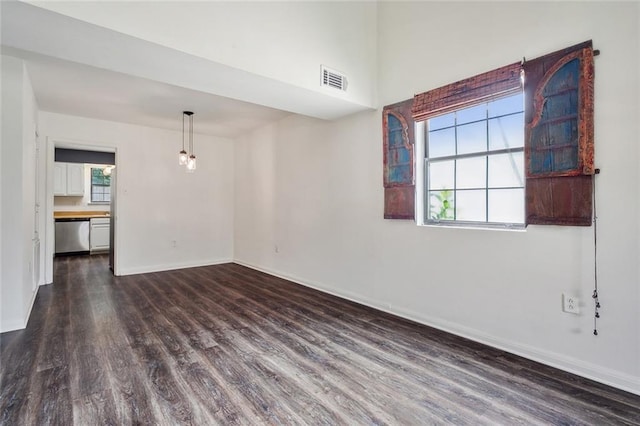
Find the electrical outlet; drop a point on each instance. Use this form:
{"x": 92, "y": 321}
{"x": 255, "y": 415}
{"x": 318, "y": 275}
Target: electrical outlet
{"x": 276, "y": 249}
{"x": 570, "y": 304}
{"x": 174, "y": 243}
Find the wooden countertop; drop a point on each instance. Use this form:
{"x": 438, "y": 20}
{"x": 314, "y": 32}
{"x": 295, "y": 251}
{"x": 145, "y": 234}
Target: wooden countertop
{"x": 80, "y": 214}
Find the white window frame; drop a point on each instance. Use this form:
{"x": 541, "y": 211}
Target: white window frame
{"x": 91, "y": 185}
{"x": 421, "y": 193}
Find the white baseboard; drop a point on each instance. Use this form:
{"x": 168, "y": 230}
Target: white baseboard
{"x": 171, "y": 266}
{"x": 33, "y": 300}
{"x": 20, "y": 324}
{"x": 573, "y": 365}
{"x": 576, "y": 366}
{"x": 14, "y": 325}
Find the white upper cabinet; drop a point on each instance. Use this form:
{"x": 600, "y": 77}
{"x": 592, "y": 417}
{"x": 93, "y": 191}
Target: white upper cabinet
{"x": 59, "y": 178}
{"x": 68, "y": 179}
{"x": 75, "y": 179}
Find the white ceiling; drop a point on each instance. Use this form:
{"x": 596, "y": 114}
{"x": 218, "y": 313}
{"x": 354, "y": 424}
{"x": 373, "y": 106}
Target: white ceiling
{"x": 82, "y": 69}
{"x": 70, "y": 88}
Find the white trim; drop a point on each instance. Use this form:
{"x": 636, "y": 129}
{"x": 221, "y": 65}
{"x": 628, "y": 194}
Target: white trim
{"x": 572, "y": 365}
{"x": 34, "y": 294}
{"x": 418, "y": 170}
{"x": 61, "y": 142}
{"x": 20, "y": 324}
{"x": 76, "y": 144}
{"x": 49, "y": 223}
{"x": 12, "y": 326}
{"x": 171, "y": 266}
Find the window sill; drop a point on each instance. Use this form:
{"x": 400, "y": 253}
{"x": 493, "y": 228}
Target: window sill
{"x": 480, "y": 227}
{"x": 99, "y": 203}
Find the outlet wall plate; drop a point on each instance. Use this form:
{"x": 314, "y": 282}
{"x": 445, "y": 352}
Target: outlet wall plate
{"x": 570, "y": 304}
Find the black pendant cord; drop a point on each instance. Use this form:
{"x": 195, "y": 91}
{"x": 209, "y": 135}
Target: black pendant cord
{"x": 191, "y": 135}
{"x": 595, "y": 258}
{"x": 183, "y": 132}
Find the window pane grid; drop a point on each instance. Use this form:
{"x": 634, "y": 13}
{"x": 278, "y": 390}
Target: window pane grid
{"x": 455, "y": 184}
{"x": 486, "y": 181}
{"x": 100, "y": 186}
{"x": 486, "y": 153}
{"x": 493, "y": 117}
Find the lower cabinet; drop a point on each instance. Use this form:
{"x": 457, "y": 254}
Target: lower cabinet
{"x": 99, "y": 237}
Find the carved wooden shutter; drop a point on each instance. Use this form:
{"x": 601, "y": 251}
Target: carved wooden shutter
{"x": 399, "y": 184}
{"x": 559, "y": 137}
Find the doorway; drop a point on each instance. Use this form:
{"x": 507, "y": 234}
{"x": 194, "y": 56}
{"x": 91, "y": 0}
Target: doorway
{"x": 93, "y": 199}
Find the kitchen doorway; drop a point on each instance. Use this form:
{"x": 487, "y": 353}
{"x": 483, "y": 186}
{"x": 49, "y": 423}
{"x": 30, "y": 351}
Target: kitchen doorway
{"x": 81, "y": 186}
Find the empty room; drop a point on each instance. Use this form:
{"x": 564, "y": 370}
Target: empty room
{"x": 320, "y": 212}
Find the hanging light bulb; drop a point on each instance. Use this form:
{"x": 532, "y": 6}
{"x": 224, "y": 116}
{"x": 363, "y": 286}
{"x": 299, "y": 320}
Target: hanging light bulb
{"x": 182, "y": 158}
{"x": 182, "y": 155}
{"x": 191, "y": 163}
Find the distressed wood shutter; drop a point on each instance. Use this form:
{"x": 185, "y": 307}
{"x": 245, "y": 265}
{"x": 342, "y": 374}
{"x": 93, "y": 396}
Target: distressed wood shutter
{"x": 398, "y": 174}
{"x": 559, "y": 137}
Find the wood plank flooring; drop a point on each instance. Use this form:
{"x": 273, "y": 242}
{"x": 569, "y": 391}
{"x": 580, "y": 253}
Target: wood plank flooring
{"x": 229, "y": 345}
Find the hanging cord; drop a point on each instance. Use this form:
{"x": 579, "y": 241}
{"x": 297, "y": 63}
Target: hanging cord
{"x": 191, "y": 134}
{"x": 595, "y": 258}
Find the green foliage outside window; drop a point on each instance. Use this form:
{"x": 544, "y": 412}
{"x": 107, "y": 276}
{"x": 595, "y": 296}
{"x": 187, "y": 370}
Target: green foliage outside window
{"x": 100, "y": 186}
{"x": 441, "y": 207}
{"x": 98, "y": 178}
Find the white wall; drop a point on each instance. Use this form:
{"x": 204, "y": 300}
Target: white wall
{"x": 285, "y": 41}
{"x": 157, "y": 201}
{"x": 314, "y": 190}
{"x": 17, "y": 287}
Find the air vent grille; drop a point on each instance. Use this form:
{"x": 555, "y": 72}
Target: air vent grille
{"x": 331, "y": 78}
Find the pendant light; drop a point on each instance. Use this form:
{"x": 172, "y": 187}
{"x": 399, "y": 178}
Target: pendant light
{"x": 182, "y": 155}
{"x": 107, "y": 170}
{"x": 191, "y": 161}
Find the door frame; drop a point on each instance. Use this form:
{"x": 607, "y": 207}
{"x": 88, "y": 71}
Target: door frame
{"x": 51, "y": 144}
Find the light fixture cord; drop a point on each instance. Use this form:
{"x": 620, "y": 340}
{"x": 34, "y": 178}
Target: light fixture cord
{"x": 191, "y": 134}
{"x": 595, "y": 259}
{"x": 183, "y": 131}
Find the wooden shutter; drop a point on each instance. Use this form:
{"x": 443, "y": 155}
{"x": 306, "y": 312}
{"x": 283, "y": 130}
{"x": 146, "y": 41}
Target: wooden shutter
{"x": 559, "y": 137}
{"x": 398, "y": 174}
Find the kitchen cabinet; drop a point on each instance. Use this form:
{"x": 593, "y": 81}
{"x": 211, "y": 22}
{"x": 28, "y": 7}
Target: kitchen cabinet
{"x": 99, "y": 234}
{"x": 68, "y": 179}
{"x": 75, "y": 179}
{"x": 59, "y": 178}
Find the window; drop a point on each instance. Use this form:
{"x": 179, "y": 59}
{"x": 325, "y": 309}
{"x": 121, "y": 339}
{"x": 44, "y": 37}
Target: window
{"x": 100, "y": 186}
{"x": 499, "y": 150}
{"x": 474, "y": 164}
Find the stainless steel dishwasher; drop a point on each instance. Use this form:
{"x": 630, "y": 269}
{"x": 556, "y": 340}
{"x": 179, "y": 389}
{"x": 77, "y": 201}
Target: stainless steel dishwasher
{"x": 72, "y": 236}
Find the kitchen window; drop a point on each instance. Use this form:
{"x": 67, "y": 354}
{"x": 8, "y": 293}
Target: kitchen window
{"x": 100, "y": 186}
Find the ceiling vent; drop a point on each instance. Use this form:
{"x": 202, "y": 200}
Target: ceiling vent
{"x": 332, "y": 78}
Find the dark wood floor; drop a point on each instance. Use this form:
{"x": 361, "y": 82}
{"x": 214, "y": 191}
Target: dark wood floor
{"x": 229, "y": 345}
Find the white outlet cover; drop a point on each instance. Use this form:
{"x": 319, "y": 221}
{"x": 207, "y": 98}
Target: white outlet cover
{"x": 570, "y": 304}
